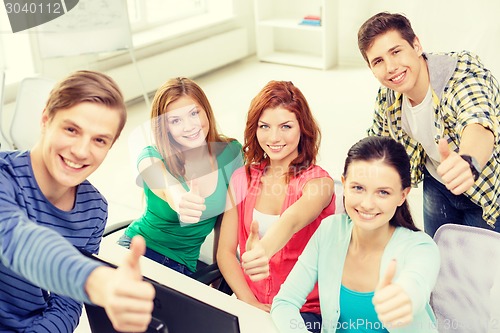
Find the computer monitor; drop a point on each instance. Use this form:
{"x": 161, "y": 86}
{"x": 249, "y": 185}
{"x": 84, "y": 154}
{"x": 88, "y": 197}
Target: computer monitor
{"x": 174, "y": 312}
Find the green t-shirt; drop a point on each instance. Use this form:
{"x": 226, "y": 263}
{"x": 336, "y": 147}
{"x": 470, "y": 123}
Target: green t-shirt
{"x": 160, "y": 225}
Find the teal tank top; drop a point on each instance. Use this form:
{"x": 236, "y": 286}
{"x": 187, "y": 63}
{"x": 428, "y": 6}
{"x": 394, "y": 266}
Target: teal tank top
{"x": 357, "y": 313}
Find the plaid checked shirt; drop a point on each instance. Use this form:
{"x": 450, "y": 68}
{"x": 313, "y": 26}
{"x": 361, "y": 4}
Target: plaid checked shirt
{"x": 463, "y": 93}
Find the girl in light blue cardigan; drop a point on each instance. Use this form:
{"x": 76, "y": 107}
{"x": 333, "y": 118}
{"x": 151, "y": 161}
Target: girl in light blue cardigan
{"x": 375, "y": 270}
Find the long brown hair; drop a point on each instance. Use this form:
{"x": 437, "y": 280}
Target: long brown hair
{"x": 285, "y": 95}
{"x": 168, "y": 93}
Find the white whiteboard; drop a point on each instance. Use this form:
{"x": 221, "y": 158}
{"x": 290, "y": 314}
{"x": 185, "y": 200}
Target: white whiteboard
{"x": 92, "y": 26}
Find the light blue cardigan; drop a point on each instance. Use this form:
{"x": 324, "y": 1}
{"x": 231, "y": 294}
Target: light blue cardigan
{"x": 323, "y": 260}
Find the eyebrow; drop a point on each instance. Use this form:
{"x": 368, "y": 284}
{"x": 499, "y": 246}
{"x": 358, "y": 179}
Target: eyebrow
{"x": 388, "y": 51}
{"x": 284, "y": 123}
{"x": 194, "y": 107}
{"x": 71, "y": 123}
{"x": 355, "y": 183}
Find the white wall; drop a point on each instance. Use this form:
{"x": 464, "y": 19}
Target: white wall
{"x": 441, "y": 25}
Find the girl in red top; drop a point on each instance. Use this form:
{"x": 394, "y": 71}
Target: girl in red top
{"x": 279, "y": 198}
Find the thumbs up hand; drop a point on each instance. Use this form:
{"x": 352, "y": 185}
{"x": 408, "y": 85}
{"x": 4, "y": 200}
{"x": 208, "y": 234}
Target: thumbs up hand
{"x": 127, "y": 299}
{"x": 392, "y": 303}
{"x": 444, "y": 150}
{"x": 454, "y": 170}
{"x": 191, "y": 204}
{"x": 254, "y": 261}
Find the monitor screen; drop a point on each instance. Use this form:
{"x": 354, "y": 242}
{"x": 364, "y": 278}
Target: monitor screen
{"x": 174, "y": 312}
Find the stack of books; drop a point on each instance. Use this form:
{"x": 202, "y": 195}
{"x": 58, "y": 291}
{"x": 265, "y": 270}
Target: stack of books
{"x": 313, "y": 20}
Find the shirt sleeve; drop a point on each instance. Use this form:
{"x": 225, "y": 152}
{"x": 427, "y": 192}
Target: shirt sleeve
{"x": 474, "y": 97}
{"x": 300, "y": 282}
{"x": 378, "y": 124}
{"x": 231, "y": 160}
{"x": 419, "y": 271}
{"x": 39, "y": 254}
{"x": 149, "y": 152}
{"x": 61, "y": 315}
{"x": 94, "y": 242}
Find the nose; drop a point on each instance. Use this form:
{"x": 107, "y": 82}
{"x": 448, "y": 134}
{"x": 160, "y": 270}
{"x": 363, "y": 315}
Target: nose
{"x": 80, "y": 149}
{"x": 275, "y": 135}
{"x": 190, "y": 123}
{"x": 392, "y": 65}
{"x": 367, "y": 202}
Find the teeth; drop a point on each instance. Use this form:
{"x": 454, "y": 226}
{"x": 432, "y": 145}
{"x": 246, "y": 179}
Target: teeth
{"x": 191, "y": 136}
{"x": 366, "y": 215}
{"x": 399, "y": 77}
{"x": 276, "y": 147}
{"x": 72, "y": 164}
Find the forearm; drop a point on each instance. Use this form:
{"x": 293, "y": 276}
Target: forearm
{"x": 317, "y": 194}
{"x": 293, "y": 292}
{"x": 472, "y": 135}
{"x": 231, "y": 270}
{"x": 278, "y": 235}
{"x": 43, "y": 257}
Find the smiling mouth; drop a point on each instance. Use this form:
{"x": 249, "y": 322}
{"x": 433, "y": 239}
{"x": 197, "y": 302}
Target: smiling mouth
{"x": 73, "y": 165}
{"x": 366, "y": 216}
{"x": 192, "y": 136}
{"x": 399, "y": 78}
{"x": 276, "y": 147}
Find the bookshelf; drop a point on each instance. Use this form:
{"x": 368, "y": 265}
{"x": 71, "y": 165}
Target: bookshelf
{"x": 281, "y": 38}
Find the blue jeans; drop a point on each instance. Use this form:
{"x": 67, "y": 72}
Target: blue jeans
{"x": 442, "y": 207}
{"x": 313, "y": 321}
{"x": 158, "y": 257}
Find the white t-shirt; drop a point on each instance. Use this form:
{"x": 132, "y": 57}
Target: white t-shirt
{"x": 265, "y": 221}
{"x": 418, "y": 122}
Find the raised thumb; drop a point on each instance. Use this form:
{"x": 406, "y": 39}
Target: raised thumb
{"x": 194, "y": 187}
{"x": 132, "y": 260}
{"x": 390, "y": 272}
{"x": 253, "y": 237}
{"x": 443, "y": 148}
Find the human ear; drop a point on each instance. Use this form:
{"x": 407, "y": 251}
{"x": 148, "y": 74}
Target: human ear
{"x": 44, "y": 121}
{"x": 417, "y": 46}
{"x": 404, "y": 195}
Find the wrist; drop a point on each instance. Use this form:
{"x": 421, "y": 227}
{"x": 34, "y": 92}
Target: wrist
{"x": 95, "y": 284}
{"x": 475, "y": 168}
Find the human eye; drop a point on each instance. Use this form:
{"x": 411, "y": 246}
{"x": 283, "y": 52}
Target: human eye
{"x": 174, "y": 121}
{"x": 263, "y": 126}
{"x": 286, "y": 127}
{"x": 101, "y": 141}
{"x": 357, "y": 188}
{"x": 195, "y": 113}
{"x": 383, "y": 193}
{"x": 70, "y": 129}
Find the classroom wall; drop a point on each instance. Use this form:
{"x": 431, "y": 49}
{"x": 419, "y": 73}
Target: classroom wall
{"x": 441, "y": 26}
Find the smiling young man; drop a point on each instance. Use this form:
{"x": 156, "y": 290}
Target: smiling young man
{"x": 444, "y": 108}
{"x": 44, "y": 195}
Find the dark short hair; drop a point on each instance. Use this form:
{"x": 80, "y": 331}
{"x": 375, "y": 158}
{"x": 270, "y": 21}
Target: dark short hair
{"x": 393, "y": 154}
{"x": 379, "y": 24}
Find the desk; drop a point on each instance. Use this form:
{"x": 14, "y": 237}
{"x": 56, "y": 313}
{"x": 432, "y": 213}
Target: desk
{"x": 250, "y": 318}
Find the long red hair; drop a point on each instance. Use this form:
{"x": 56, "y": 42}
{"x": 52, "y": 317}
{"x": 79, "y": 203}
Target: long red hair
{"x": 285, "y": 95}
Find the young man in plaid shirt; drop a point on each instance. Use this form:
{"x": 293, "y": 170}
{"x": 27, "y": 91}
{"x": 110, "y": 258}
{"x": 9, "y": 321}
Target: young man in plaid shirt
{"x": 444, "y": 108}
